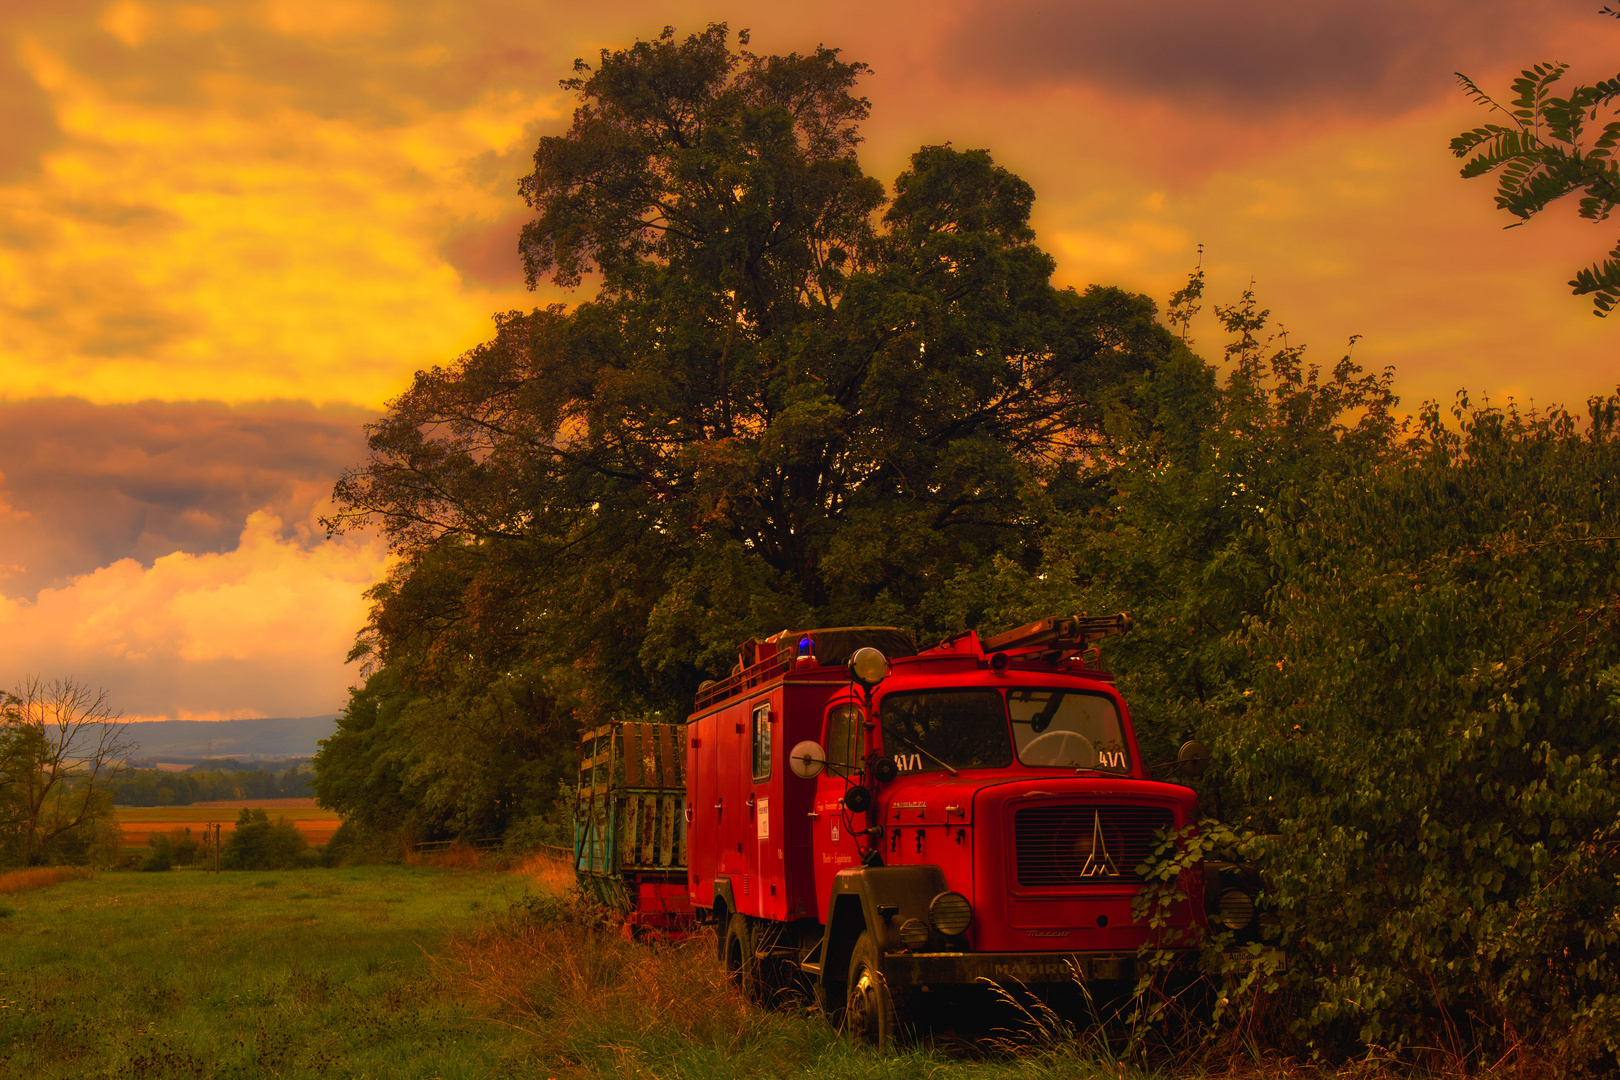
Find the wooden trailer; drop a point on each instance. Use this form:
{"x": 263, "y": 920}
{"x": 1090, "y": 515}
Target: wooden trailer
{"x": 630, "y": 823}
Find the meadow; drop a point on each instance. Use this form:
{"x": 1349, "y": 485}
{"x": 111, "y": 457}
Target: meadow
{"x": 291, "y": 973}
{"x": 409, "y": 972}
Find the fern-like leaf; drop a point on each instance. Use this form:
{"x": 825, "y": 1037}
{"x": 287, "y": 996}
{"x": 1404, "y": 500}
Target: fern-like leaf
{"x": 1542, "y": 158}
{"x": 1601, "y": 282}
{"x": 1477, "y": 95}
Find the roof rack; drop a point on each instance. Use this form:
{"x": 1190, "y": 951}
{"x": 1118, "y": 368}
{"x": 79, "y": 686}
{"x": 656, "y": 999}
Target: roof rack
{"x": 1059, "y": 636}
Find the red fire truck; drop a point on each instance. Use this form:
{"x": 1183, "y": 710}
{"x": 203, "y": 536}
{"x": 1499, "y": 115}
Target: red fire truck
{"x": 890, "y": 824}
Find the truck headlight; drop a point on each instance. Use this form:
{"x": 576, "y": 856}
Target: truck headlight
{"x": 1235, "y": 909}
{"x": 913, "y": 934}
{"x": 950, "y": 913}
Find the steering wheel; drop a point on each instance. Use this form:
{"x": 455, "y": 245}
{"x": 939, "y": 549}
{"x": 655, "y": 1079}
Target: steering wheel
{"x": 1060, "y": 749}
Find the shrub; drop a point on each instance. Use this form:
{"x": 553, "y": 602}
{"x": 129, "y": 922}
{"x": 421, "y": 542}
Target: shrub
{"x": 1429, "y": 741}
{"x": 353, "y": 844}
{"x": 161, "y": 857}
{"x": 260, "y": 844}
{"x": 186, "y": 848}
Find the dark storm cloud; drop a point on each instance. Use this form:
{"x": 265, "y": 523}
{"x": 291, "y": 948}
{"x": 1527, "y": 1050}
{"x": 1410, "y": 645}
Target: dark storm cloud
{"x": 86, "y": 485}
{"x": 1350, "y": 56}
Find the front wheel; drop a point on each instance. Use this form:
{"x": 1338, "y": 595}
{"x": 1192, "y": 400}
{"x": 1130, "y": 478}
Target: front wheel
{"x": 874, "y": 1012}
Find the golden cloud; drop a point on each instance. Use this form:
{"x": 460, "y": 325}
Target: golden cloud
{"x": 313, "y": 198}
{"x": 241, "y": 238}
{"x": 192, "y": 635}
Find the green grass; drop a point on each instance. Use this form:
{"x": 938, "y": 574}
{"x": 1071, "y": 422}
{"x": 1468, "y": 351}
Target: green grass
{"x": 405, "y": 972}
{"x": 289, "y": 973}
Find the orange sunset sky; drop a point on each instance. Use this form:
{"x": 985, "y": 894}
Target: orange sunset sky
{"x": 230, "y": 232}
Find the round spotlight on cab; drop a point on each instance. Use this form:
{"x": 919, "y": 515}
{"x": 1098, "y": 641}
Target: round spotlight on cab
{"x": 950, "y": 913}
{"x": 1235, "y": 909}
{"x": 913, "y": 933}
{"x": 868, "y": 666}
{"x": 1000, "y": 662}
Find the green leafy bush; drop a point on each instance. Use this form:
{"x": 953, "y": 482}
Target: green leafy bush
{"x": 161, "y": 855}
{"x": 354, "y": 844}
{"x": 260, "y": 844}
{"x": 1428, "y": 738}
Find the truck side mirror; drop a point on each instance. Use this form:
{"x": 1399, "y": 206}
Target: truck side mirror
{"x": 1193, "y": 758}
{"x": 807, "y": 760}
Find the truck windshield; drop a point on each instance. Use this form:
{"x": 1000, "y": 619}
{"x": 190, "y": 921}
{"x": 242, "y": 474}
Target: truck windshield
{"x": 1064, "y": 728}
{"x": 966, "y": 729}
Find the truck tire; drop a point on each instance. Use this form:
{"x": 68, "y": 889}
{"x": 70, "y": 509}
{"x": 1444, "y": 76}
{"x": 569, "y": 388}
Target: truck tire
{"x": 875, "y": 1013}
{"x": 746, "y": 971}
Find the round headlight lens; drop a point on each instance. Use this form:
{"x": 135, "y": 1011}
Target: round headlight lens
{"x": 950, "y": 913}
{"x": 1235, "y": 909}
{"x": 913, "y": 933}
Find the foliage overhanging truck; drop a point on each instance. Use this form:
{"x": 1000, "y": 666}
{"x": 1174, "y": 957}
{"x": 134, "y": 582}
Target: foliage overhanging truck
{"x": 893, "y": 825}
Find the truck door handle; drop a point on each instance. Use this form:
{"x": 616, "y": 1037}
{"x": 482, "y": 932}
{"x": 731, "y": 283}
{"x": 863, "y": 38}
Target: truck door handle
{"x": 751, "y": 800}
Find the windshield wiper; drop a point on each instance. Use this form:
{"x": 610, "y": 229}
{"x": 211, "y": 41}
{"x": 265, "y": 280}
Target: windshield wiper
{"x": 944, "y": 765}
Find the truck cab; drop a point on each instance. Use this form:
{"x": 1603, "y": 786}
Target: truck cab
{"x": 889, "y": 823}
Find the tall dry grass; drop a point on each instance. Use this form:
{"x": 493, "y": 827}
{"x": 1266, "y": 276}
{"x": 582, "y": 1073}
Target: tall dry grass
{"x": 595, "y": 1004}
{"x": 556, "y": 979}
{"x": 457, "y": 856}
{"x": 548, "y": 872}
{"x": 38, "y": 877}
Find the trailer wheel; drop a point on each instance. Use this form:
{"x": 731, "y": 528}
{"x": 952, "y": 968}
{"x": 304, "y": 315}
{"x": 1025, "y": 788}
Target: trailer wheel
{"x": 874, "y": 1013}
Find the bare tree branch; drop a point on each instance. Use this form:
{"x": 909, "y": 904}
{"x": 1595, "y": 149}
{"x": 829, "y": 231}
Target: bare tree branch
{"x": 61, "y": 746}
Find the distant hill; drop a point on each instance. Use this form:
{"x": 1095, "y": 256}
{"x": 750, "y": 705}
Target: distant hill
{"x": 272, "y": 737}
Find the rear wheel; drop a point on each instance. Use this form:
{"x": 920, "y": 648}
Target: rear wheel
{"x": 758, "y": 979}
{"x": 874, "y": 1012}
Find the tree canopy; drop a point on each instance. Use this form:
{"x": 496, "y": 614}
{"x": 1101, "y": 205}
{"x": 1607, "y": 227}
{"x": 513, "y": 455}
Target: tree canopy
{"x": 778, "y": 404}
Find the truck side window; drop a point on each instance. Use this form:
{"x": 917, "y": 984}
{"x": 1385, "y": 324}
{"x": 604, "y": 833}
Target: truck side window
{"x": 846, "y": 736}
{"x": 762, "y": 741}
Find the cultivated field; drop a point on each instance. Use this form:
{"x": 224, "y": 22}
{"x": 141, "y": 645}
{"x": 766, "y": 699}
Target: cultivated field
{"x": 137, "y": 823}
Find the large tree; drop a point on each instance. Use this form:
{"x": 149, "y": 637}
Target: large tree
{"x": 791, "y": 398}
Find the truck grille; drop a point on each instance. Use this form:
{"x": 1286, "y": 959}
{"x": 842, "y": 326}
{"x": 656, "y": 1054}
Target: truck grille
{"x": 1058, "y": 845}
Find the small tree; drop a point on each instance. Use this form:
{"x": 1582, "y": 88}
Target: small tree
{"x": 260, "y": 844}
{"x": 161, "y": 857}
{"x": 61, "y": 747}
